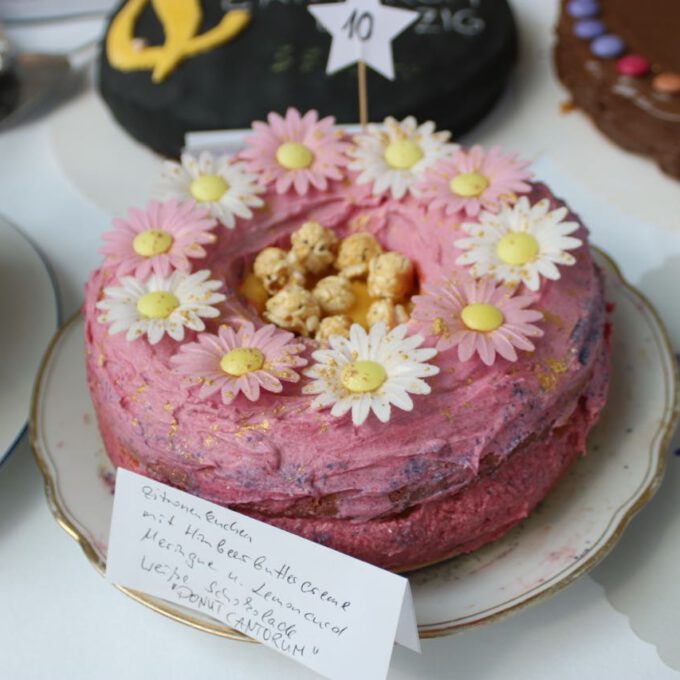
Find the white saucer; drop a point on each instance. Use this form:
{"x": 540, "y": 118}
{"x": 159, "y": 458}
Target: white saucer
{"x": 29, "y": 313}
{"x": 573, "y": 529}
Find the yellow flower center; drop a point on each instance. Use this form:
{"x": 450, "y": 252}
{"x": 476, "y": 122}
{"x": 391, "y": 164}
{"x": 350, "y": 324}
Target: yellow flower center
{"x": 294, "y": 156}
{"x": 517, "y": 248}
{"x": 481, "y": 317}
{"x": 157, "y": 305}
{"x": 403, "y": 154}
{"x": 242, "y": 360}
{"x": 469, "y": 184}
{"x": 208, "y": 188}
{"x": 152, "y": 242}
{"x": 363, "y": 376}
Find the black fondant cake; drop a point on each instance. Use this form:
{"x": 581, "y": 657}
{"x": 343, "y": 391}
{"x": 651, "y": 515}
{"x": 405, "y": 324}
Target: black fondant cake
{"x": 162, "y": 76}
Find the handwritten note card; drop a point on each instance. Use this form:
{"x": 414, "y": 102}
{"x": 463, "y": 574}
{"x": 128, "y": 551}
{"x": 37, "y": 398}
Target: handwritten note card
{"x": 334, "y": 614}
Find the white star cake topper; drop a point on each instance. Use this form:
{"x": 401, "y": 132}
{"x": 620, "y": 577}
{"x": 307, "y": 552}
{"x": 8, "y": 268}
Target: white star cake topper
{"x": 362, "y": 30}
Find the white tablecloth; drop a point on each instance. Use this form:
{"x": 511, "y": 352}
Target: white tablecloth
{"x": 60, "y": 619}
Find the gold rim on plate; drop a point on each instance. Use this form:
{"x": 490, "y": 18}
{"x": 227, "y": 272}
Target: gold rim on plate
{"x": 668, "y": 423}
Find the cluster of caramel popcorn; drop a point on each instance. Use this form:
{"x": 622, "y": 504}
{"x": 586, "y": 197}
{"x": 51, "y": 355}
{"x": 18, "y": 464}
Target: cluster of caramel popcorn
{"x": 323, "y": 285}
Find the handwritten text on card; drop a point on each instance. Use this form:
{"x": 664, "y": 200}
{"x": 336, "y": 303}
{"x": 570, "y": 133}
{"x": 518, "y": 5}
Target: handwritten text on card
{"x": 330, "y": 612}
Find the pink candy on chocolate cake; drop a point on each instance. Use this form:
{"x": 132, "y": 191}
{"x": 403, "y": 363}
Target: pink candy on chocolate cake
{"x": 384, "y": 343}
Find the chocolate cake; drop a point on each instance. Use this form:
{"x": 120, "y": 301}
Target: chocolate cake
{"x": 620, "y": 59}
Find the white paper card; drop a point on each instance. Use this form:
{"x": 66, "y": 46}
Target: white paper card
{"x": 230, "y": 141}
{"x": 330, "y": 612}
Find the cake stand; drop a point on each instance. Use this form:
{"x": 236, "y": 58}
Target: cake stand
{"x": 572, "y": 530}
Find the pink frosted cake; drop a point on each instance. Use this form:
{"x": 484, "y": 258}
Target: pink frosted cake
{"x": 384, "y": 343}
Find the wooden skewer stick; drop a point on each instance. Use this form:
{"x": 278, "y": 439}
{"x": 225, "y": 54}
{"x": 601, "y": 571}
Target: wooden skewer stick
{"x": 363, "y": 95}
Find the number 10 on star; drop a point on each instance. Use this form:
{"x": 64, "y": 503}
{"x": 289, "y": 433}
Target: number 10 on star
{"x": 359, "y": 26}
{"x": 363, "y": 31}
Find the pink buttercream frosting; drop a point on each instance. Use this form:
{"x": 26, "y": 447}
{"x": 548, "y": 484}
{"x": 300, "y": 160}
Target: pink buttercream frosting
{"x": 321, "y": 476}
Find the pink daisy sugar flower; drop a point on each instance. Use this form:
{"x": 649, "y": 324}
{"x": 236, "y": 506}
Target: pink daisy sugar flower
{"x": 472, "y": 180}
{"x": 478, "y": 317}
{"x": 296, "y": 152}
{"x": 159, "y": 239}
{"x": 241, "y": 361}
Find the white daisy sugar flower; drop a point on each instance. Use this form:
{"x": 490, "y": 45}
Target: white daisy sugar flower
{"x": 394, "y": 156}
{"x": 370, "y": 372}
{"x": 160, "y": 305}
{"x": 221, "y": 184}
{"x": 522, "y": 243}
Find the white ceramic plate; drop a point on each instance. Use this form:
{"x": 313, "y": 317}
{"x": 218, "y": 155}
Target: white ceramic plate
{"x": 29, "y": 313}
{"x": 569, "y": 533}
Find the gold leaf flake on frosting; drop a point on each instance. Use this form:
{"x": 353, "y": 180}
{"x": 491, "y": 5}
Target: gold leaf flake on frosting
{"x": 552, "y": 318}
{"x": 252, "y": 427}
{"x": 556, "y": 365}
{"x": 142, "y": 388}
{"x": 178, "y": 478}
{"x": 279, "y": 410}
{"x": 547, "y": 381}
{"x": 547, "y": 373}
{"x": 439, "y": 327}
{"x": 359, "y": 223}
